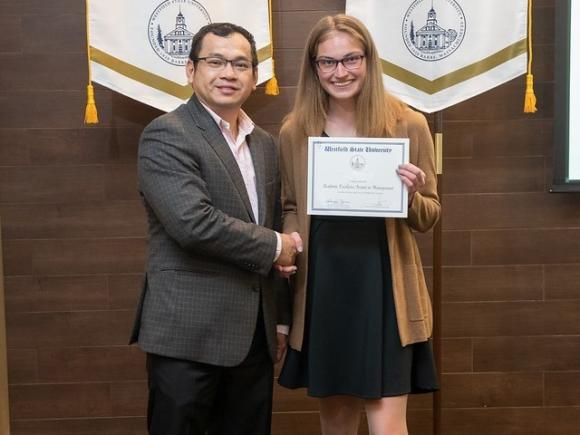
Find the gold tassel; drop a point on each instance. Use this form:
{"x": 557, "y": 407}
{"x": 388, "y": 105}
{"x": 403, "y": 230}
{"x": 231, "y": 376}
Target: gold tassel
{"x": 530, "y": 98}
{"x": 91, "y": 116}
{"x": 272, "y": 87}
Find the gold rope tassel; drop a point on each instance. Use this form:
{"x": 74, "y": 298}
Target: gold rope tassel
{"x": 530, "y": 98}
{"x": 272, "y": 84}
{"x": 91, "y": 116}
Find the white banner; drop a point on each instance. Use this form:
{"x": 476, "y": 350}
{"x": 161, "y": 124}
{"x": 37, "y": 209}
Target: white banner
{"x": 437, "y": 53}
{"x": 139, "y": 48}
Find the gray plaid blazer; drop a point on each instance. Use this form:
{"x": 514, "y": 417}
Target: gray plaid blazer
{"x": 209, "y": 264}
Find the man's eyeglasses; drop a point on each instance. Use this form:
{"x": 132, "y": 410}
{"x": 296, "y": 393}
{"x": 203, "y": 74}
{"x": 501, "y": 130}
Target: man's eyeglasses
{"x": 219, "y": 63}
{"x": 327, "y": 64}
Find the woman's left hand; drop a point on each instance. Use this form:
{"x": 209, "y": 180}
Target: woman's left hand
{"x": 413, "y": 177}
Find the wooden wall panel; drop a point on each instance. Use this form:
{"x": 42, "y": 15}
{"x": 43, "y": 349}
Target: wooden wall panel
{"x": 493, "y": 283}
{"x": 74, "y": 245}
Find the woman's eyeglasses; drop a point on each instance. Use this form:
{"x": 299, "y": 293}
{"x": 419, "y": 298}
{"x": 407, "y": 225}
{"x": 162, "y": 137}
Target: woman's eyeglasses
{"x": 327, "y": 64}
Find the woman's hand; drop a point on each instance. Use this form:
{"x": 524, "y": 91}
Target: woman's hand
{"x": 413, "y": 177}
{"x": 285, "y": 271}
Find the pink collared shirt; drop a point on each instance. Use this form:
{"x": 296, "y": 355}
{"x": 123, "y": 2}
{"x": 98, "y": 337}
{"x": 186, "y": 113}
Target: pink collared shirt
{"x": 241, "y": 151}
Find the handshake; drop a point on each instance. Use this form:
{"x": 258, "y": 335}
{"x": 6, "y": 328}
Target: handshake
{"x": 291, "y": 246}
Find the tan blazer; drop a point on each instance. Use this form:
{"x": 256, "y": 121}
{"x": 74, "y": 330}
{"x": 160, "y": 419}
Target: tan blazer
{"x": 412, "y": 302}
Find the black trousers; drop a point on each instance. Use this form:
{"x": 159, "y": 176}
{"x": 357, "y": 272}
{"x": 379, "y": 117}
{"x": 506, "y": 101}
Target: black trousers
{"x": 191, "y": 398}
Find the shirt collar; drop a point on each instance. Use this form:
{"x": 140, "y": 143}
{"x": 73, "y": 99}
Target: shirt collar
{"x": 245, "y": 124}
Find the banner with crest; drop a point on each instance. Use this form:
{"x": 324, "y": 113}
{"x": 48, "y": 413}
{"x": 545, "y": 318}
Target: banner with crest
{"x": 139, "y": 48}
{"x": 437, "y": 53}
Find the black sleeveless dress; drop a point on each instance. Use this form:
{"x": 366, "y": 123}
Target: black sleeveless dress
{"x": 351, "y": 340}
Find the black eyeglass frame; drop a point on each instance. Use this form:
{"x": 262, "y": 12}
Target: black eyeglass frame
{"x": 230, "y": 61}
{"x": 360, "y": 57}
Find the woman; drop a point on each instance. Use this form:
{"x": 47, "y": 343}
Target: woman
{"x": 362, "y": 314}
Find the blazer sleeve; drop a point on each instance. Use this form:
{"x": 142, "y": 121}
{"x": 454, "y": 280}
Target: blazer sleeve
{"x": 289, "y": 207}
{"x": 425, "y": 209}
{"x": 172, "y": 185}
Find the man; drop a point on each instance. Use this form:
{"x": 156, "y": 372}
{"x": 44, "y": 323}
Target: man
{"x": 210, "y": 305}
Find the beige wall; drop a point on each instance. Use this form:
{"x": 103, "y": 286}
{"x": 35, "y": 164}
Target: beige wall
{"x": 74, "y": 243}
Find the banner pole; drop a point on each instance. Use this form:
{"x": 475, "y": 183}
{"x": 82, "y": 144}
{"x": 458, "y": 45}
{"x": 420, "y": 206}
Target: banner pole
{"x": 437, "y": 272}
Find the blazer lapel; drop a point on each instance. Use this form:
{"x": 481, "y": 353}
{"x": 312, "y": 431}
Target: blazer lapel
{"x": 215, "y": 139}
{"x": 260, "y": 171}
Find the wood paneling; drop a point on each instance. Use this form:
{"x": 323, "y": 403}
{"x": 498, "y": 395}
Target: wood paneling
{"x": 508, "y": 210}
{"x": 81, "y": 426}
{"x": 128, "y": 398}
{"x": 12, "y": 42}
{"x": 457, "y": 355}
{"x": 562, "y": 388}
{"x": 493, "y": 283}
{"x": 287, "y": 22}
{"x": 78, "y": 256}
{"x": 23, "y": 365}
{"x": 55, "y": 71}
{"x": 542, "y": 246}
{"x": 523, "y": 174}
{"x": 512, "y": 421}
{"x": 477, "y": 319}
{"x": 53, "y": 35}
{"x": 563, "y": 281}
{"x": 60, "y": 400}
{"x": 527, "y": 353}
{"x": 124, "y": 290}
{"x": 68, "y": 329}
{"x": 72, "y": 221}
{"x": 56, "y": 293}
{"x": 91, "y": 364}
{"x": 492, "y": 390}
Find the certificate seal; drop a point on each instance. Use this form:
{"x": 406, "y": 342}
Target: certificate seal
{"x": 358, "y": 162}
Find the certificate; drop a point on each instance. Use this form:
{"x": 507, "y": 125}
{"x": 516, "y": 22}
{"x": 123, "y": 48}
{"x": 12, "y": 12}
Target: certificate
{"x": 350, "y": 176}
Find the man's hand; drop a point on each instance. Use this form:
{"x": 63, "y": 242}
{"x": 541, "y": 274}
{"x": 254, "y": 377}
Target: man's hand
{"x": 281, "y": 347}
{"x": 291, "y": 245}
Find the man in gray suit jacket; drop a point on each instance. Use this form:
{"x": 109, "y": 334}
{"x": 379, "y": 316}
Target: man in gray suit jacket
{"x": 211, "y": 303}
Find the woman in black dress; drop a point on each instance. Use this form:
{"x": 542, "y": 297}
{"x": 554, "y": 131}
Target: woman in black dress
{"x": 362, "y": 316}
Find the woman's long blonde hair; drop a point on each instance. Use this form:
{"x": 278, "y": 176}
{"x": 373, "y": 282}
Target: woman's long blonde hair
{"x": 377, "y": 111}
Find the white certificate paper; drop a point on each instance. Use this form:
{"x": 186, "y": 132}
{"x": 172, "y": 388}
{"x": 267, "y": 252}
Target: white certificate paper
{"x": 356, "y": 176}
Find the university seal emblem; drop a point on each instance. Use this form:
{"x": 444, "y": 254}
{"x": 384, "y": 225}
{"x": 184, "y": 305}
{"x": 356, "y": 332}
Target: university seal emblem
{"x": 433, "y": 29}
{"x": 357, "y": 162}
{"x": 171, "y": 27}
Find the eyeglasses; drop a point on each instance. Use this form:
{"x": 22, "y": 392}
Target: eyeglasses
{"x": 219, "y": 63}
{"x": 327, "y": 64}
